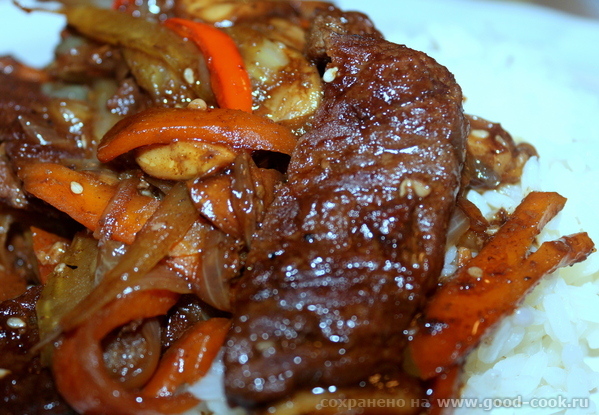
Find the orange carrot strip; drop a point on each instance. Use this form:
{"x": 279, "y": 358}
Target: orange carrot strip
{"x": 229, "y": 80}
{"x": 492, "y": 284}
{"x": 78, "y": 365}
{"x": 235, "y": 128}
{"x": 48, "y": 249}
{"x": 83, "y": 196}
{"x": 190, "y": 358}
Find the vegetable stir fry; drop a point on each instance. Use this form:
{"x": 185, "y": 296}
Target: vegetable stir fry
{"x": 148, "y": 170}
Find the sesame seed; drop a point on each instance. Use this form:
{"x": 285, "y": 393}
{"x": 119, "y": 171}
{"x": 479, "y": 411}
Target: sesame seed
{"x": 146, "y": 192}
{"x": 76, "y": 188}
{"x": 4, "y": 372}
{"x": 330, "y": 74}
{"x": 15, "y": 323}
{"x": 404, "y": 186}
{"x": 188, "y": 75}
{"x": 475, "y": 272}
{"x": 421, "y": 189}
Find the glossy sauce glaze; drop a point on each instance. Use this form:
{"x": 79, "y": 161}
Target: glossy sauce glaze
{"x": 355, "y": 240}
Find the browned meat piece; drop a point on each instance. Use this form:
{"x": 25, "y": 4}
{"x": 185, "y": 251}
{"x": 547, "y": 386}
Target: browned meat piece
{"x": 18, "y": 96}
{"x": 25, "y": 141}
{"x": 78, "y": 59}
{"x": 11, "y": 192}
{"x": 129, "y": 99}
{"x": 336, "y": 21}
{"x": 353, "y": 242}
{"x": 26, "y": 387}
{"x": 26, "y": 132}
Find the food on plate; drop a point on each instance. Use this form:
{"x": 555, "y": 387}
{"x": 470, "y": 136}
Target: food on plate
{"x": 267, "y": 185}
{"x": 354, "y": 242}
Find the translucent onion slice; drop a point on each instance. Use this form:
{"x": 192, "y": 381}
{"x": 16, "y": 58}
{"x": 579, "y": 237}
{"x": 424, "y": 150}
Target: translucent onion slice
{"x": 209, "y": 259}
{"x": 163, "y": 230}
{"x": 70, "y": 282}
{"x": 121, "y": 29}
{"x": 81, "y": 376}
{"x": 212, "y": 286}
{"x": 132, "y": 354}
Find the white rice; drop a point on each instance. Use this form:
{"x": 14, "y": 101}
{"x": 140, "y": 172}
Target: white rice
{"x": 510, "y": 72}
{"x": 546, "y": 349}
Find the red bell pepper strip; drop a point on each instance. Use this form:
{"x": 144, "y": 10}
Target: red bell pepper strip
{"x": 237, "y": 129}
{"x": 229, "y": 80}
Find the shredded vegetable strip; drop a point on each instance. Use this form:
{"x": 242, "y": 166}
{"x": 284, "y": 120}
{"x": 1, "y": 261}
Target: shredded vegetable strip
{"x": 190, "y": 358}
{"x": 125, "y": 203}
{"x": 492, "y": 284}
{"x": 69, "y": 282}
{"x": 167, "y": 226}
{"x": 78, "y": 365}
{"x": 234, "y": 128}
{"x": 84, "y": 196}
{"x": 48, "y": 249}
{"x": 121, "y": 29}
{"x": 229, "y": 80}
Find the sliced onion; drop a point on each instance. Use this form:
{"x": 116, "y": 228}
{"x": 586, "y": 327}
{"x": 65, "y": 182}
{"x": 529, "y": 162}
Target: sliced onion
{"x": 152, "y": 39}
{"x": 132, "y": 355}
{"x": 168, "y": 224}
{"x": 217, "y": 269}
{"x": 163, "y": 277}
{"x": 458, "y": 224}
{"x": 244, "y": 196}
{"x": 70, "y": 282}
{"x": 79, "y": 370}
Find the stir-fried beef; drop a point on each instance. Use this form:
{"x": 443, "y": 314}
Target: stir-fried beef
{"x": 26, "y": 133}
{"x": 26, "y": 386}
{"x": 356, "y": 239}
{"x": 11, "y": 192}
{"x": 338, "y": 22}
{"x": 17, "y": 96}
